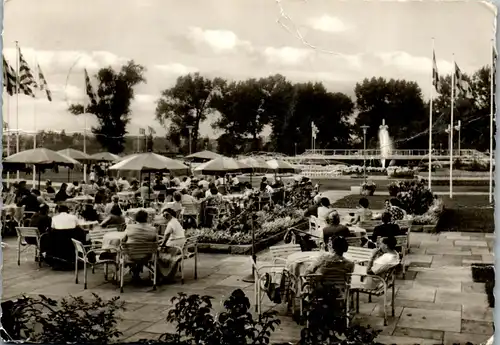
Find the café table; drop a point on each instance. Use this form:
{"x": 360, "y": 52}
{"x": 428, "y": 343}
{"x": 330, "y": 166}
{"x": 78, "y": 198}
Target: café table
{"x": 81, "y": 198}
{"x": 112, "y": 240}
{"x": 88, "y": 225}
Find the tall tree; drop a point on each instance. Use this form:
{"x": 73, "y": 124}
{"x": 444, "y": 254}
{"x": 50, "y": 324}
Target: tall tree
{"x": 115, "y": 92}
{"x": 187, "y": 103}
{"x": 400, "y": 104}
{"x": 473, "y": 112}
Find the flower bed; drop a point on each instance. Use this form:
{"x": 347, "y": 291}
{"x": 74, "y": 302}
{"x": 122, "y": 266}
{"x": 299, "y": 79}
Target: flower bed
{"x": 428, "y": 221}
{"x": 398, "y": 172}
{"x": 356, "y": 170}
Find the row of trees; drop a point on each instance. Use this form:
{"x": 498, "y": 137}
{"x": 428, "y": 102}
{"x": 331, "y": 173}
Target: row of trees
{"x": 240, "y": 110}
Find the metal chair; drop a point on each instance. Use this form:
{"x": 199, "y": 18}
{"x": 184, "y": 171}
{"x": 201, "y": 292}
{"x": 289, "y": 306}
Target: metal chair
{"x": 82, "y": 255}
{"x": 191, "y": 243}
{"x": 146, "y": 253}
{"x": 28, "y": 232}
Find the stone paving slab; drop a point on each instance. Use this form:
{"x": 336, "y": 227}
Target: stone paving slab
{"x": 436, "y": 303}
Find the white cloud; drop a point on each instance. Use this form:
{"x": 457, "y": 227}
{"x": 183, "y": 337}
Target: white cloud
{"x": 176, "y": 69}
{"x": 418, "y": 64}
{"x": 220, "y": 41}
{"x": 64, "y": 61}
{"x": 287, "y": 55}
{"x": 327, "y": 23}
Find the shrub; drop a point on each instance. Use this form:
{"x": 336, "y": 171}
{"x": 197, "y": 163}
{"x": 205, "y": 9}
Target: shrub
{"x": 72, "y": 320}
{"x": 414, "y": 196}
{"x": 397, "y": 172}
{"x": 368, "y": 188}
{"x": 195, "y": 323}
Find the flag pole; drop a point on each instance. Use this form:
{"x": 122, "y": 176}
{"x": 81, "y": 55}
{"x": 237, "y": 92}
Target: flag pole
{"x": 492, "y": 75}
{"x": 430, "y": 117}
{"x": 85, "y": 104}
{"x": 35, "y": 68}
{"x": 451, "y": 125}
{"x": 17, "y": 101}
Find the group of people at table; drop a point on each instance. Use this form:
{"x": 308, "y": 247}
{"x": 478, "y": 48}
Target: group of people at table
{"x": 331, "y": 237}
{"x": 59, "y": 219}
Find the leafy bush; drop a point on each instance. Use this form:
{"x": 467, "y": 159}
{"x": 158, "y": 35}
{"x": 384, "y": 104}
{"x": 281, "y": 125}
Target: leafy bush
{"x": 432, "y": 215}
{"x": 326, "y": 320}
{"x": 397, "y": 172}
{"x": 474, "y": 165}
{"x": 368, "y": 188}
{"x": 414, "y": 196}
{"x": 195, "y": 323}
{"x": 72, "y": 320}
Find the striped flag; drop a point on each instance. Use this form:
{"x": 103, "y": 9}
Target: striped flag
{"x": 435, "y": 75}
{"x": 461, "y": 84}
{"x": 26, "y": 80}
{"x": 89, "y": 89}
{"x": 142, "y": 131}
{"x": 43, "y": 84}
{"x": 9, "y": 77}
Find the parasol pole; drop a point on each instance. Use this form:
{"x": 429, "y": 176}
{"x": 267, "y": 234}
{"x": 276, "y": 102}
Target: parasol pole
{"x": 251, "y": 278}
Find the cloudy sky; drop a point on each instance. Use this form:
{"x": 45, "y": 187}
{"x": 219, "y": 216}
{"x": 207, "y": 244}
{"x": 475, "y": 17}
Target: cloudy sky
{"x": 342, "y": 43}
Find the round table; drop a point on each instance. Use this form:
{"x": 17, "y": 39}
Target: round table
{"x": 112, "y": 240}
{"x": 88, "y": 225}
{"x": 81, "y": 198}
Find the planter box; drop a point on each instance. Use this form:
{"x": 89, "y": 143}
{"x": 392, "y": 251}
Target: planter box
{"x": 243, "y": 249}
{"x": 429, "y": 228}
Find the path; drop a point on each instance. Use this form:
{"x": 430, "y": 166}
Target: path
{"x": 437, "y": 303}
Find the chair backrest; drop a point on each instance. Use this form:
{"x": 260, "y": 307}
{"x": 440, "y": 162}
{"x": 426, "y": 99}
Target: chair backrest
{"x": 283, "y": 251}
{"x": 79, "y": 248}
{"x": 191, "y": 241}
{"x": 139, "y": 249}
{"x": 369, "y": 225}
{"x": 27, "y": 232}
{"x": 405, "y": 224}
{"x": 353, "y": 241}
{"x": 337, "y": 277}
{"x": 98, "y": 234}
{"x": 401, "y": 241}
{"x": 313, "y": 223}
{"x": 358, "y": 254}
{"x": 190, "y": 208}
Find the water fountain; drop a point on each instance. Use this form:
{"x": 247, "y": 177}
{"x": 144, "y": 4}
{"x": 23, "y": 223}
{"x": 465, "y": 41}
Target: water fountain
{"x": 385, "y": 142}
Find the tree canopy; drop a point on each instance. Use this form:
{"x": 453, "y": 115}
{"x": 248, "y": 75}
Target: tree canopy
{"x": 111, "y": 106}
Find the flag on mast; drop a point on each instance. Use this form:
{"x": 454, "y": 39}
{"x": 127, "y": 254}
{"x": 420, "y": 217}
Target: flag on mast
{"x": 43, "y": 83}
{"x": 26, "y": 79}
{"x": 461, "y": 84}
{"x": 9, "y": 77}
{"x": 89, "y": 89}
{"x": 151, "y": 130}
{"x": 435, "y": 75}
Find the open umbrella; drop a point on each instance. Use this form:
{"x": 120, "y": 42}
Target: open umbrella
{"x": 76, "y": 155}
{"x": 150, "y": 162}
{"x": 104, "y": 157}
{"x": 119, "y": 159}
{"x": 256, "y": 164}
{"x": 221, "y": 165}
{"x": 279, "y": 166}
{"x": 203, "y": 156}
{"x": 40, "y": 157}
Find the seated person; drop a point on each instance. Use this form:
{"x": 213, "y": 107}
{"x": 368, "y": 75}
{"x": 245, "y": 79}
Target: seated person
{"x": 115, "y": 201}
{"x": 30, "y": 202}
{"x": 100, "y": 196}
{"x": 386, "y": 229}
{"x": 72, "y": 189}
{"x": 364, "y": 213}
{"x": 393, "y": 206}
{"x": 332, "y": 260}
{"x": 41, "y": 221}
{"x": 313, "y": 209}
{"x": 334, "y": 229}
{"x": 175, "y": 205}
{"x": 60, "y": 252}
{"x": 48, "y": 187}
{"x": 323, "y": 210}
{"x": 384, "y": 258}
{"x": 174, "y": 238}
{"x": 115, "y": 218}
{"x": 89, "y": 213}
{"x": 140, "y": 232}
{"x": 61, "y": 195}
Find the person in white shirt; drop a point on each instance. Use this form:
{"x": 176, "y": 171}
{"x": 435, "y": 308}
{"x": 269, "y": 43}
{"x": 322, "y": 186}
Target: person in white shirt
{"x": 269, "y": 189}
{"x": 92, "y": 176}
{"x": 235, "y": 181}
{"x": 204, "y": 184}
{"x": 123, "y": 184}
{"x": 323, "y": 211}
{"x": 64, "y": 220}
{"x": 171, "y": 247}
{"x": 219, "y": 181}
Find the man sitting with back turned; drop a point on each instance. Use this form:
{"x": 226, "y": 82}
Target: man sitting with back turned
{"x": 334, "y": 228}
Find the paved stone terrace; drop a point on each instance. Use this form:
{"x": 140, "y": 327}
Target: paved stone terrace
{"x": 437, "y": 303}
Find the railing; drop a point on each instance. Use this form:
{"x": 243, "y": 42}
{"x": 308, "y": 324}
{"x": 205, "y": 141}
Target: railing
{"x": 394, "y": 153}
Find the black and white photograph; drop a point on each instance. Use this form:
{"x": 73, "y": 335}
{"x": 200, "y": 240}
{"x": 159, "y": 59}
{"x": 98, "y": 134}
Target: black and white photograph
{"x": 248, "y": 172}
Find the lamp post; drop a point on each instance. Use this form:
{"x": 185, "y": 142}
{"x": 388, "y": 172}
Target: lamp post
{"x": 364, "y": 128}
{"x": 295, "y": 148}
{"x": 189, "y": 129}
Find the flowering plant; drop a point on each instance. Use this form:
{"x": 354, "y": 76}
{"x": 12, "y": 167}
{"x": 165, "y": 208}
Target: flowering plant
{"x": 368, "y": 188}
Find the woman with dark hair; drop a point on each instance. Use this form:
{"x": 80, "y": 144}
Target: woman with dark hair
{"x": 115, "y": 217}
{"x": 324, "y": 210}
{"x": 363, "y": 213}
{"x": 171, "y": 246}
{"x": 395, "y": 209}
{"x": 89, "y": 213}
{"x": 61, "y": 195}
{"x": 383, "y": 259}
{"x": 41, "y": 221}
